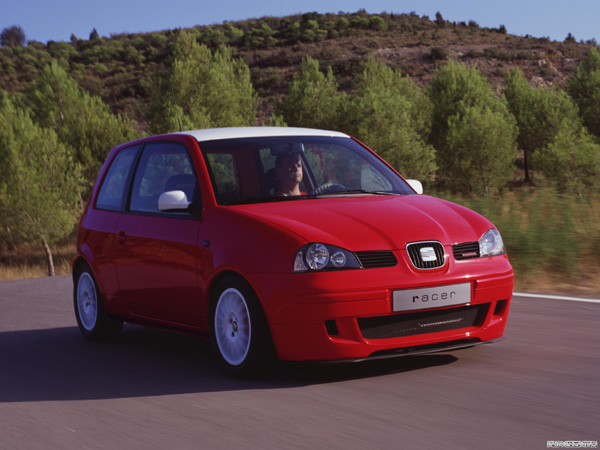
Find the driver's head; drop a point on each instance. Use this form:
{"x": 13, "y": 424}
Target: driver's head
{"x": 289, "y": 170}
{"x": 289, "y": 166}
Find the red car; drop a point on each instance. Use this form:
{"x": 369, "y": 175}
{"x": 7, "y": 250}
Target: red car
{"x": 289, "y": 242}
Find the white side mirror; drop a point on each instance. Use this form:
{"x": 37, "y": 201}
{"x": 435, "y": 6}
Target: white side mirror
{"x": 173, "y": 201}
{"x": 416, "y": 185}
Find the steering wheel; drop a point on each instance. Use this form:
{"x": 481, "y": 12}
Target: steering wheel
{"x": 327, "y": 188}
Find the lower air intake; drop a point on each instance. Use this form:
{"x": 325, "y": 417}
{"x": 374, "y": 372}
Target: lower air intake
{"x": 412, "y": 324}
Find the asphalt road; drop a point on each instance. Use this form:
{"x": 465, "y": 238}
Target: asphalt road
{"x": 151, "y": 389}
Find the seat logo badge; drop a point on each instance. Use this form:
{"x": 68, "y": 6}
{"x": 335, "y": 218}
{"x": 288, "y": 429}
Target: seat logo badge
{"x": 428, "y": 254}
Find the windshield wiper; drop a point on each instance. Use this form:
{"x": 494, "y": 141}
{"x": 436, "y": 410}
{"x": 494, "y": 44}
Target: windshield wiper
{"x": 352, "y": 191}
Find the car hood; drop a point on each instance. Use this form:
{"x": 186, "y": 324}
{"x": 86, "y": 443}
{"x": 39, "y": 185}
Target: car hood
{"x": 373, "y": 222}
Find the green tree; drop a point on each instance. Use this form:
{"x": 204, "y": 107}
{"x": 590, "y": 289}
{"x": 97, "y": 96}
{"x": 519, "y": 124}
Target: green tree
{"x": 202, "y": 90}
{"x": 571, "y": 160}
{"x": 392, "y": 115}
{"x": 84, "y": 124}
{"x": 584, "y": 87}
{"x": 458, "y": 93}
{"x": 313, "y": 99}
{"x": 541, "y": 114}
{"x": 12, "y": 37}
{"x": 481, "y": 142}
{"x": 39, "y": 181}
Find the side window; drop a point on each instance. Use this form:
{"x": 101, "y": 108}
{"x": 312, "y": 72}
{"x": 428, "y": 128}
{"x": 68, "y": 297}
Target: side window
{"x": 163, "y": 166}
{"x": 113, "y": 188}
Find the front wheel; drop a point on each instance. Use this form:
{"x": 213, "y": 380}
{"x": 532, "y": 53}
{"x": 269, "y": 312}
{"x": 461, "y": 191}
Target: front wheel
{"x": 93, "y": 320}
{"x": 240, "y": 333}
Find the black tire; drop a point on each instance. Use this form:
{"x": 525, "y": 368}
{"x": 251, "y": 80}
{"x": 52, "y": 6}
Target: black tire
{"x": 93, "y": 321}
{"x": 240, "y": 335}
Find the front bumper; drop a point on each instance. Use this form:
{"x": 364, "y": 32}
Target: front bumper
{"x": 338, "y": 316}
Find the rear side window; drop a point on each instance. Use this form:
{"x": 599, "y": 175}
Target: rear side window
{"x": 113, "y": 190}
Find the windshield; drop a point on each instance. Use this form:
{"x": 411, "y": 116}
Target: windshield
{"x": 254, "y": 170}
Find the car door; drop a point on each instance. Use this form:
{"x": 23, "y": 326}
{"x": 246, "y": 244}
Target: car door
{"x": 156, "y": 255}
{"x": 96, "y": 235}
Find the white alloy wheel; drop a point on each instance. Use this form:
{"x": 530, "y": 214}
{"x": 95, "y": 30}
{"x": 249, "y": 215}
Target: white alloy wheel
{"x": 87, "y": 301}
{"x": 233, "y": 328}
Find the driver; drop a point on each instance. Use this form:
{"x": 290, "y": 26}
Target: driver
{"x": 289, "y": 171}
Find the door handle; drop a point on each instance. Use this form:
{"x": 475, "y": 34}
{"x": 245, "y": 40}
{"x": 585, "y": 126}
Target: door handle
{"x": 121, "y": 237}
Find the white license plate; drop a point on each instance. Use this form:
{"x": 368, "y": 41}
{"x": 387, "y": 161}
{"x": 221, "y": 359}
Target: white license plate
{"x": 431, "y": 297}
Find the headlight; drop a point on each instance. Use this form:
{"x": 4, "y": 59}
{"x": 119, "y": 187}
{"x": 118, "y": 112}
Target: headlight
{"x": 491, "y": 244}
{"x": 314, "y": 257}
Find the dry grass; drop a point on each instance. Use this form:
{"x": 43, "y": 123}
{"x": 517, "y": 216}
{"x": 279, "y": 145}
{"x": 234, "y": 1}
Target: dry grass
{"x": 553, "y": 241}
{"x": 30, "y": 262}
{"x": 552, "y": 283}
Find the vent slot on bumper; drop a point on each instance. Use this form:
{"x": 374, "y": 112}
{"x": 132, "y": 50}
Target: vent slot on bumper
{"x": 376, "y": 259}
{"x": 465, "y": 250}
{"x": 423, "y": 322}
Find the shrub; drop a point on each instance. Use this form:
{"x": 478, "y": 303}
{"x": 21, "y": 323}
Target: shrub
{"x": 158, "y": 40}
{"x": 140, "y": 43}
{"x": 438, "y": 53}
{"x": 377, "y": 23}
{"x": 100, "y": 69}
{"x": 212, "y": 37}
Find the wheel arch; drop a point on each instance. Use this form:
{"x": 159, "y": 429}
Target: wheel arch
{"x": 212, "y": 300}
{"x": 78, "y": 261}
{"x": 84, "y": 256}
{"x": 262, "y": 351}
{"x": 216, "y": 281}
{"x": 104, "y": 326}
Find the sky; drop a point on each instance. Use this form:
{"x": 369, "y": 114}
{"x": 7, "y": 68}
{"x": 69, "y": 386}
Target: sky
{"x": 57, "y": 20}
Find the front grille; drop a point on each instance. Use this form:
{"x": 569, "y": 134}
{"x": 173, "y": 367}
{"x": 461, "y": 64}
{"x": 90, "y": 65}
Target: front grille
{"x": 412, "y": 324}
{"x": 375, "y": 259}
{"x": 465, "y": 250}
{"x": 426, "y": 254}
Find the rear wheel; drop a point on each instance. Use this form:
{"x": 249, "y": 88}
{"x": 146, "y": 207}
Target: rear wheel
{"x": 240, "y": 333}
{"x": 93, "y": 320}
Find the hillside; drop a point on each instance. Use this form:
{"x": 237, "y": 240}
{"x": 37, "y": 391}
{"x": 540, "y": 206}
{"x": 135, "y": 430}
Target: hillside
{"x": 540, "y": 162}
{"x": 119, "y": 68}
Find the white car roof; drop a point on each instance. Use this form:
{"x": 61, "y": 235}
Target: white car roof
{"x": 213, "y": 134}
